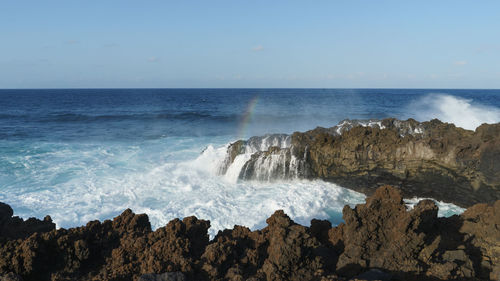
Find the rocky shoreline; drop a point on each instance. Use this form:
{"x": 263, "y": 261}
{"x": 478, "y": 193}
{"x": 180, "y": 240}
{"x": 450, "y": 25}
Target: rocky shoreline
{"x": 425, "y": 159}
{"x": 380, "y": 240}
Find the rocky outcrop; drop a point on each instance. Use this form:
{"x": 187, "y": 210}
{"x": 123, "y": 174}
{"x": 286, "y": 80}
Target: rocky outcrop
{"x": 430, "y": 159}
{"x": 121, "y": 249}
{"x": 380, "y": 240}
{"x": 383, "y": 234}
{"x": 15, "y": 227}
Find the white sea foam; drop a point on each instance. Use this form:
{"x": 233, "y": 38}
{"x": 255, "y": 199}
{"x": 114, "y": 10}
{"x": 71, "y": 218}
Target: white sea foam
{"x": 445, "y": 209}
{"x": 233, "y": 171}
{"x": 462, "y": 112}
{"x": 81, "y": 183}
{"x": 169, "y": 178}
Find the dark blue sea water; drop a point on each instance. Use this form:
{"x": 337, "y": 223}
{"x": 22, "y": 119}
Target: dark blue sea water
{"x": 90, "y": 153}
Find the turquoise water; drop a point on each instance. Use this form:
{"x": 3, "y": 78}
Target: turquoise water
{"x": 80, "y": 155}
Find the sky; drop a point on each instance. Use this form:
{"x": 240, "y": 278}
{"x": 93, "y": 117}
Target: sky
{"x": 249, "y": 44}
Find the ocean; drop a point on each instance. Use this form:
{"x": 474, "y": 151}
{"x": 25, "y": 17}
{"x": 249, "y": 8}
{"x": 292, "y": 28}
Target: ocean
{"x": 86, "y": 154}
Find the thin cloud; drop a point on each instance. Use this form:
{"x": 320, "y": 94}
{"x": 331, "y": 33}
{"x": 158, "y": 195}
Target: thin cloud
{"x": 258, "y": 48}
{"x": 72, "y": 42}
{"x": 153, "y": 59}
{"x": 460, "y": 62}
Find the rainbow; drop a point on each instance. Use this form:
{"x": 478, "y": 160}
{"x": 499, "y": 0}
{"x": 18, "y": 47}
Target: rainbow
{"x": 247, "y": 116}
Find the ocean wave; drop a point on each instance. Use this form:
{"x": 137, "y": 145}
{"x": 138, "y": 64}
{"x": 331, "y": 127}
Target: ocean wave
{"x": 71, "y": 117}
{"x": 89, "y": 182}
{"x": 187, "y": 116}
{"x": 462, "y": 112}
{"x": 45, "y": 171}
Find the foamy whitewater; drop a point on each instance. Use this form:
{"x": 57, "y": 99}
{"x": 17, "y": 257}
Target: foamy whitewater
{"x": 462, "y": 112}
{"x": 81, "y": 155}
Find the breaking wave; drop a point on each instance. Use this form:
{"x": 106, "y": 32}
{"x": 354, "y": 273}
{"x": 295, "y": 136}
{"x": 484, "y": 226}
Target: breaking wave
{"x": 460, "y": 111}
{"x": 90, "y": 182}
{"x": 82, "y": 164}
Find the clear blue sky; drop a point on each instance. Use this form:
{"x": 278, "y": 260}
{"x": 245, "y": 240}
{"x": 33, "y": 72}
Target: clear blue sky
{"x": 326, "y": 44}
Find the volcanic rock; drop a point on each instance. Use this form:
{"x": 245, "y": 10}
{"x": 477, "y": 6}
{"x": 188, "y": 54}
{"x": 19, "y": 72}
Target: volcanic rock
{"x": 168, "y": 276}
{"x": 379, "y": 240}
{"x": 429, "y": 159}
{"x": 14, "y": 227}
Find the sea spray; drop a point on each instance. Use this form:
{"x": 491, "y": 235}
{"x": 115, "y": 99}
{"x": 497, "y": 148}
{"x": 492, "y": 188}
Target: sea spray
{"x": 462, "y": 112}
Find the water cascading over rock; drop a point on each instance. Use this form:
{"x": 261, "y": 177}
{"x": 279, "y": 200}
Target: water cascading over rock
{"x": 241, "y": 152}
{"x": 273, "y": 157}
{"x": 275, "y": 164}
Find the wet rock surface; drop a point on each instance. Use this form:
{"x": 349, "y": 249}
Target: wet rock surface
{"x": 379, "y": 240}
{"x": 429, "y": 159}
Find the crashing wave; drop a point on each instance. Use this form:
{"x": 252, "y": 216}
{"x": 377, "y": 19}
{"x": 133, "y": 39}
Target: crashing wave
{"x": 274, "y": 164}
{"x": 250, "y": 147}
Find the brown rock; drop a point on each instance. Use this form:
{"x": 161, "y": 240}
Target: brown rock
{"x": 428, "y": 159}
{"x": 379, "y": 240}
{"x": 14, "y": 227}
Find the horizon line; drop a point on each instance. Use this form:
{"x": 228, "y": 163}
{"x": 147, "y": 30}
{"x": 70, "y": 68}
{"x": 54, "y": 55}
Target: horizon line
{"x": 244, "y": 88}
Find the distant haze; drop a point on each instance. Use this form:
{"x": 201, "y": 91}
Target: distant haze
{"x": 254, "y": 44}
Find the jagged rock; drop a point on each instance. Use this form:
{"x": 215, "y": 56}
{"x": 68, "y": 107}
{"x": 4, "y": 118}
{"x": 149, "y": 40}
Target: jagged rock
{"x": 14, "y": 227}
{"x": 374, "y": 274}
{"x": 379, "y": 240}
{"x": 235, "y": 254}
{"x": 481, "y": 228}
{"x": 383, "y": 234}
{"x": 168, "y": 276}
{"x": 10, "y": 277}
{"x": 442, "y": 162}
{"x": 293, "y": 254}
{"x": 6, "y": 213}
{"x": 112, "y": 250}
